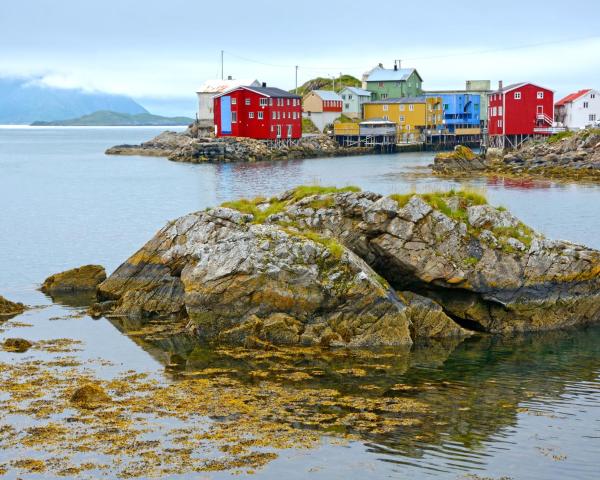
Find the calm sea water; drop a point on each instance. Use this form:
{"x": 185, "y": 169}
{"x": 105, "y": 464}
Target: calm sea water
{"x": 63, "y": 203}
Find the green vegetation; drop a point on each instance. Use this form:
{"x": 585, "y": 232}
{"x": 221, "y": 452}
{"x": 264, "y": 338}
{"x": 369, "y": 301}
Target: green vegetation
{"x": 438, "y": 200}
{"x": 308, "y": 126}
{"x": 471, "y": 261}
{"x": 322, "y": 83}
{"x": 557, "y": 137}
{"x": 334, "y": 247}
{"x": 261, "y": 208}
{"x": 116, "y": 119}
{"x": 522, "y": 233}
{"x": 345, "y": 119}
{"x": 460, "y": 152}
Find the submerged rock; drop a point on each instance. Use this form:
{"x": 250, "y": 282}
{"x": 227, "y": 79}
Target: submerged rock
{"x": 10, "y": 309}
{"x": 76, "y": 280}
{"x": 19, "y": 345}
{"x": 320, "y": 266}
{"x": 90, "y": 396}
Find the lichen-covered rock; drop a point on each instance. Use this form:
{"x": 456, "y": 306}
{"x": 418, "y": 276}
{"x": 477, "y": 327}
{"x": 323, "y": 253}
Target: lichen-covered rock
{"x": 460, "y": 160}
{"x": 482, "y": 265}
{"x": 10, "y": 309}
{"x": 76, "y": 280}
{"x": 244, "y": 283}
{"x": 19, "y": 345}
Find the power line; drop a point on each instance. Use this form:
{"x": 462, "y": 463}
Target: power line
{"x": 431, "y": 57}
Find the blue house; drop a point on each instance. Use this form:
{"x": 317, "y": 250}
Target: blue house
{"x": 461, "y": 110}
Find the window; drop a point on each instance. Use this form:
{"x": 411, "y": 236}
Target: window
{"x": 289, "y": 131}
{"x": 233, "y": 117}
{"x": 288, "y": 102}
{"x": 446, "y": 106}
{"x": 411, "y": 108}
{"x": 592, "y": 95}
{"x": 264, "y": 102}
{"x": 401, "y": 108}
{"x": 350, "y": 97}
{"x": 540, "y": 95}
{"x": 385, "y": 117}
{"x": 494, "y": 111}
{"x": 247, "y": 101}
{"x": 386, "y": 108}
{"x": 381, "y": 84}
{"x": 261, "y": 115}
{"x": 234, "y": 101}
{"x": 278, "y": 131}
{"x": 499, "y": 123}
{"x": 401, "y": 118}
{"x": 586, "y": 105}
{"x": 274, "y": 115}
{"x": 347, "y": 106}
{"x": 384, "y": 96}
{"x": 517, "y": 95}
{"x": 592, "y": 117}
{"x": 499, "y": 111}
{"x": 250, "y": 114}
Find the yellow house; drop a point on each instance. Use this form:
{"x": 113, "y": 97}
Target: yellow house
{"x": 411, "y": 114}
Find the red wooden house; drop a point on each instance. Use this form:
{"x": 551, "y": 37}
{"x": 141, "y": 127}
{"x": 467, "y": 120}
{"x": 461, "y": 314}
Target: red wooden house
{"x": 262, "y": 113}
{"x": 518, "y": 112}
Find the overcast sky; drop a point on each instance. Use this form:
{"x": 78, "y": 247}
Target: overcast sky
{"x": 160, "y": 51}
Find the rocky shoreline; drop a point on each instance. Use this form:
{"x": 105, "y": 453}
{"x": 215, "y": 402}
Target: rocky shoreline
{"x": 189, "y": 147}
{"x": 569, "y": 156}
{"x": 341, "y": 267}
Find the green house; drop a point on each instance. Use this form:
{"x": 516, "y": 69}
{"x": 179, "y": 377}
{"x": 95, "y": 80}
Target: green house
{"x": 393, "y": 83}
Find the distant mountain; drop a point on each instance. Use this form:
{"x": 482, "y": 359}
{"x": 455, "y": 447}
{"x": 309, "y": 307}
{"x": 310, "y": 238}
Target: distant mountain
{"x": 110, "y": 119}
{"x": 23, "y": 101}
{"x": 322, "y": 83}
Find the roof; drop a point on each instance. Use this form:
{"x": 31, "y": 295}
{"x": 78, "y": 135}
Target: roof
{"x": 573, "y": 96}
{"x": 401, "y": 100}
{"x": 358, "y": 91}
{"x": 377, "y": 121}
{"x": 514, "y": 86}
{"x": 327, "y": 95}
{"x": 264, "y": 91}
{"x": 387, "y": 75}
{"x": 220, "y": 86}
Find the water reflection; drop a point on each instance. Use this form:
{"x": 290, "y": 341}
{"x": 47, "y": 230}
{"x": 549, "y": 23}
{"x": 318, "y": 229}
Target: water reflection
{"x": 472, "y": 392}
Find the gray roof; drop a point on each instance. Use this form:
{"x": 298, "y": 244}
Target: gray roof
{"x": 389, "y": 74}
{"x": 512, "y": 86}
{"x": 273, "y": 92}
{"x": 327, "y": 95}
{"x": 358, "y": 91}
{"x": 401, "y": 100}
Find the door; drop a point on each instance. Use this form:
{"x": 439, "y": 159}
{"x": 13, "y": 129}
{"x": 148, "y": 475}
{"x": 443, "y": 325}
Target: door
{"x": 225, "y": 115}
{"x": 278, "y": 131}
{"x": 289, "y": 131}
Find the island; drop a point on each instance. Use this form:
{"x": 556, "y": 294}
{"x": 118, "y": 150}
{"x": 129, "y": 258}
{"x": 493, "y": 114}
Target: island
{"x": 106, "y": 118}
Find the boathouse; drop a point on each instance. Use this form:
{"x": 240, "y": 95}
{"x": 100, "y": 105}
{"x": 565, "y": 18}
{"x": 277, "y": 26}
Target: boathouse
{"x": 518, "y": 112}
{"x": 262, "y": 113}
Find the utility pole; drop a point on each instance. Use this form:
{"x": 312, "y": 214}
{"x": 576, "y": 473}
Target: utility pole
{"x": 296, "y": 91}
{"x": 222, "y": 61}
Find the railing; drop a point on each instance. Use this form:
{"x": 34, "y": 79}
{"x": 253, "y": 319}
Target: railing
{"x": 545, "y": 118}
{"x": 549, "y": 130}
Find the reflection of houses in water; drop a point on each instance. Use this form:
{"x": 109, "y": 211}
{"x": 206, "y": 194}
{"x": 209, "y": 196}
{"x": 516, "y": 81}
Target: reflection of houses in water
{"x": 519, "y": 183}
{"x": 254, "y": 179}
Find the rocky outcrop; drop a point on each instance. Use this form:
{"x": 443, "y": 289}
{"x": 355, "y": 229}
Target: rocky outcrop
{"x": 316, "y": 266}
{"x": 90, "y": 397}
{"x": 18, "y": 345}
{"x": 460, "y": 161}
{"x": 10, "y": 309}
{"x": 76, "y": 280}
{"x": 569, "y": 155}
{"x": 188, "y": 147}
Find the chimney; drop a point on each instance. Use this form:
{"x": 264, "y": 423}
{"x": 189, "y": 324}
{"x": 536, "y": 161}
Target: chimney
{"x": 229, "y": 77}
{"x": 381, "y": 65}
{"x": 264, "y": 84}
{"x": 395, "y": 67}
{"x": 500, "y": 84}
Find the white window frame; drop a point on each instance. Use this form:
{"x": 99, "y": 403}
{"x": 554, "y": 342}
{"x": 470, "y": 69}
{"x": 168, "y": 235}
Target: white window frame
{"x": 250, "y": 115}
{"x": 274, "y": 115}
{"x": 500, "y": 111}
{"x": 247, "y": 101}
{"x": 233, "y": 117}
{"x": 517, "y": 96}
{"x": 592, "y": 117}
{"x": 261, "y": 115}
{"x": 233, "y": 101}
{"x": 401, "y": 119}
{"x": 263, "y": 102}
{"x": 540, "y": 95}
{"x": 586, "y": 105}
{"x": 386, "y": 108}
{"x": 401, "y": 108}
{"x": 278, "y": 131}
{"x": 411, "y": 108}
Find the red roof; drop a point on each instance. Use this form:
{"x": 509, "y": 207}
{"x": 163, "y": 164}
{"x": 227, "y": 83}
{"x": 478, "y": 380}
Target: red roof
{"x": 572, "y": 97}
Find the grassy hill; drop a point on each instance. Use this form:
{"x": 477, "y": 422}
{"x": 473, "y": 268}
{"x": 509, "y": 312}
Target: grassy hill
{"x": 322, "y": 83}
{"x": 107, "y": 118}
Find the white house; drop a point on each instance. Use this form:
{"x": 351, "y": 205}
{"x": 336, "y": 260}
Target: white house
{"x": 578, "y": 109}
{"x": 353, "y": 99}
{"x": 210, "y": 88}
{"x": 323, "y": 107}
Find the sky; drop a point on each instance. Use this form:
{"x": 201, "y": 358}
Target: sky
{"x": 161, "y": 51}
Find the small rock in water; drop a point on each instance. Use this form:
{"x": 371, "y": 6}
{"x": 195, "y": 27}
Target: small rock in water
{"x": 18, "y": 345}
{"x": 90, "y": 396}
{"x": 82, "y": 279}
{"x": 10, "y": 309}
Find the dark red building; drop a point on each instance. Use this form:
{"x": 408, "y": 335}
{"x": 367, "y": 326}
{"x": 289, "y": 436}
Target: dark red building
{"x": 263, "y": 113}
{"x": 519, "y": 111}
